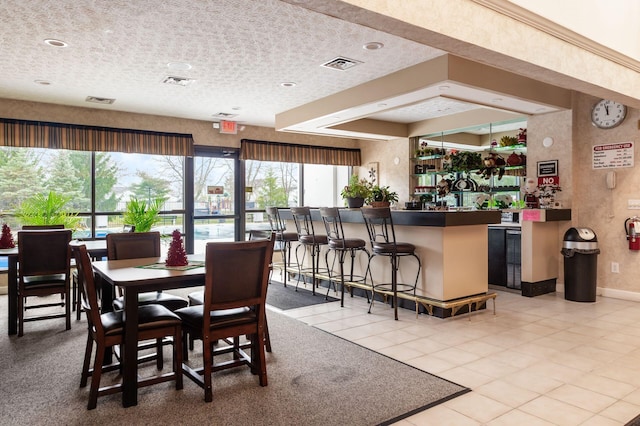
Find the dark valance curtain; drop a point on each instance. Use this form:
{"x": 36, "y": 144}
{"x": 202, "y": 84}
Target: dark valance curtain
{"x": 36, "y": 134}
{"x": 293, "y": 153}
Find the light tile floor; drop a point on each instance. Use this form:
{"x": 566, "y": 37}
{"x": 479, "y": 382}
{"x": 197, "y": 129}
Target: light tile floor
{"x": 538, "y": 361}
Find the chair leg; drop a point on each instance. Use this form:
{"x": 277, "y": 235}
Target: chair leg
{"x": 207, "y": 349}
{"x": 20, "y": 316}
{"x": 267, "y": 339}
{"x": 159, "y": 357}
{"x": 284, "y": 262}
{"x": 67, "y": 306}
{"x": 343, "y": 253}
{"x": 177, "y": 357}
{"x": 95, "y": 378}
{"x": 87, "y": 361}
{"x": 394, "y": 284}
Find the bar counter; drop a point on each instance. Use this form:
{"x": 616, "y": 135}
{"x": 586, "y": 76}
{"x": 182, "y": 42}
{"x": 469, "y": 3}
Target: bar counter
{"x": 452, "y": 246}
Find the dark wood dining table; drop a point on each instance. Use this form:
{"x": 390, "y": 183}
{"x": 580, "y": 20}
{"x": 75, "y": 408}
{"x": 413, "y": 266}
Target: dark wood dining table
{"x": 96, "y": 248}
{"x": 135, "y": 276}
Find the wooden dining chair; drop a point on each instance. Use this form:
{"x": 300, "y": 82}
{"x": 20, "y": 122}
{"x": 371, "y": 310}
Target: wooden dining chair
{"x": 134, "y": 245}
{"x": 44, "y": 269}
{"x": 107, "y": 330}
{"x": 233, "y": 307}
{"x": 41, "y": 227}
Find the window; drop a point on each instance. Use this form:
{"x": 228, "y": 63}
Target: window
{"x": 115, "y": 176}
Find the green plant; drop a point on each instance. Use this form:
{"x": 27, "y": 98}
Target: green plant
{"x": 463, "y": 161}
{"x": 141, "y": 214}
{"x": 47, "y": 209}
{"x": 357, "y": 188}
{"x": 382, "y": 193}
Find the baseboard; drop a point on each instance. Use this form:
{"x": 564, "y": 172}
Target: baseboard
{"x": 618, "y": 294}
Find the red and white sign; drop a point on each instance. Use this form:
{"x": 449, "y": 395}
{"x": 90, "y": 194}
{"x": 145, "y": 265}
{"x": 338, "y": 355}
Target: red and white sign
{"x": 549, "y": 180}
{"x": 613, "y": 155}
{"x": 228, "y": 127}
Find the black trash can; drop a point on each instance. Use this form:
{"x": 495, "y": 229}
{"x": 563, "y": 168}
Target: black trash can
{"x": 580, "y": 251}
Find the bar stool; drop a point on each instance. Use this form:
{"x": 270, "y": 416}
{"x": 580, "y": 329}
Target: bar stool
{"x": 283, "y": 238}
{"x": 341, "y": 246}
{"x": 308, "y": 240}
{"x": 383, "y": 243}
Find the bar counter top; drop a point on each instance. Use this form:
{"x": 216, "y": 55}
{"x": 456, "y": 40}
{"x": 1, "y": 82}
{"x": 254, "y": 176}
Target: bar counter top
{"x": 434, "y": 218}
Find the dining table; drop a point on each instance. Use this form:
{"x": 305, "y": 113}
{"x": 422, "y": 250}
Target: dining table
{"x": 135, "y": 276}
{"x": 97, "y": 249}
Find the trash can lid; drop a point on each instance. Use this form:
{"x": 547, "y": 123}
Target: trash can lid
{"x": 580, "y": 234}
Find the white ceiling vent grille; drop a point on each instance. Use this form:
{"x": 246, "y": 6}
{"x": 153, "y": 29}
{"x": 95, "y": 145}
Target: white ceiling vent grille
{"x": 178, "y": 81}
{"x": 224, "y": 115}
{"x": 341, "y": 63}
{"x": 96, "y": 100}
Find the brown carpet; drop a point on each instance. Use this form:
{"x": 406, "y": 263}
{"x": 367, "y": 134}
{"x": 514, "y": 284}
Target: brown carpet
{"x": 315, "y": 378}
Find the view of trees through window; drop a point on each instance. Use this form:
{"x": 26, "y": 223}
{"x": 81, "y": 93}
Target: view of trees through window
{"x": 118, "y": 177}
{"x": 272, "y": 184}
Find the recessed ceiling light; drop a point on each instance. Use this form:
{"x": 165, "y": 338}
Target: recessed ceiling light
{"x": 374, "y": 45}
{"x": 443, "y": 88}
{"x": 288, "y": 84}
{"x": 55, "y": 43}
{"x": 42, "y": 82}
{"x": 496, "y": 100}
{"x": 382, "y": 105}
{"x": 179, "y": 66}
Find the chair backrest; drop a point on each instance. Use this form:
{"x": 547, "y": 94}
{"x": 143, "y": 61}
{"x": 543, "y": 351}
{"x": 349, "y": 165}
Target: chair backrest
{"x": 302, "y": 219}
{"x": 44, "y": 252}
{"x": 36, "y": 227}
{"x": 247, "y": 287}
{"x": 332, "y": 223}
{"x": 89, "y": 293}
{"x": 132, "y": 245}
{"x": 379, "y": 224}
{"x": 276, "y": 223}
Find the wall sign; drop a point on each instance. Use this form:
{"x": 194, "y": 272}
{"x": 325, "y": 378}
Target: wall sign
{"x": 613, "y": 155}
{"x": 548, "y": 168}
{"x": 215, "y": 190}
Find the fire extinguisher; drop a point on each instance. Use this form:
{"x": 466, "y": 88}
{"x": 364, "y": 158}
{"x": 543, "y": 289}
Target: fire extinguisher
{"x": 632, "y": 232}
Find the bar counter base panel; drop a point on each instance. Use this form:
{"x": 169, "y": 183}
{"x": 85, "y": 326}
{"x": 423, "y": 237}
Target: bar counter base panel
{"x": 538, "y": 288}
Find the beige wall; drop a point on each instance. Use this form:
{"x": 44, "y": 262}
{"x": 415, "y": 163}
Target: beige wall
{"x": 386, "y": 154}
{"x": 604, "y": 210}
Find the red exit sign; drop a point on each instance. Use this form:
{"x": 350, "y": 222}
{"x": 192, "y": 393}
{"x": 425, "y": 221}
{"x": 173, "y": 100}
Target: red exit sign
{"x": 548, "y": 180}
{"x": 229, "y": 127}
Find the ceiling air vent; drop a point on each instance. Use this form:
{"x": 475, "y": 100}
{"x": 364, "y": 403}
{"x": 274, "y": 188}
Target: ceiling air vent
{"x": 178, "y": 81}
{"x": 224, "y": 115}
{"x": 341, "y": 63}
{"x": 96, "y": 100}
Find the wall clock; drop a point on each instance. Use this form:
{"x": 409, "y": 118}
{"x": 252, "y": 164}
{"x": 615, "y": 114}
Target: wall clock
{"x": 607, "y": 114}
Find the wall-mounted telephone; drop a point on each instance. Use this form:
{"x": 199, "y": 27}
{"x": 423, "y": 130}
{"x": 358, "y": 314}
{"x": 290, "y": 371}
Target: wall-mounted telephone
{"x": 611, "y": 180}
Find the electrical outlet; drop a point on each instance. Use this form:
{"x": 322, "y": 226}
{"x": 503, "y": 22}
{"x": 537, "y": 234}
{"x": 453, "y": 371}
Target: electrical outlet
{"x": 615, "y": 267}
{"x": 633, "y": 204}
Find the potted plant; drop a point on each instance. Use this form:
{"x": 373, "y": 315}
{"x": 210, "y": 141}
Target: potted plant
{"x": 142, "y": 215}
{"x": 47, "y": 209}
{"x": 382, "y": 196}
{"x": 356, "y": 192}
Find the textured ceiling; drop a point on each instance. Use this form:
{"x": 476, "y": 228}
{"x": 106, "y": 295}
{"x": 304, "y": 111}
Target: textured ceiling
{"x": 239, "y": 52}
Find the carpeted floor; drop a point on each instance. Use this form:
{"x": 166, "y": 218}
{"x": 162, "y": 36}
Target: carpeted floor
{"x": 315, "y": 378}
{"x": 286, "y": 298}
